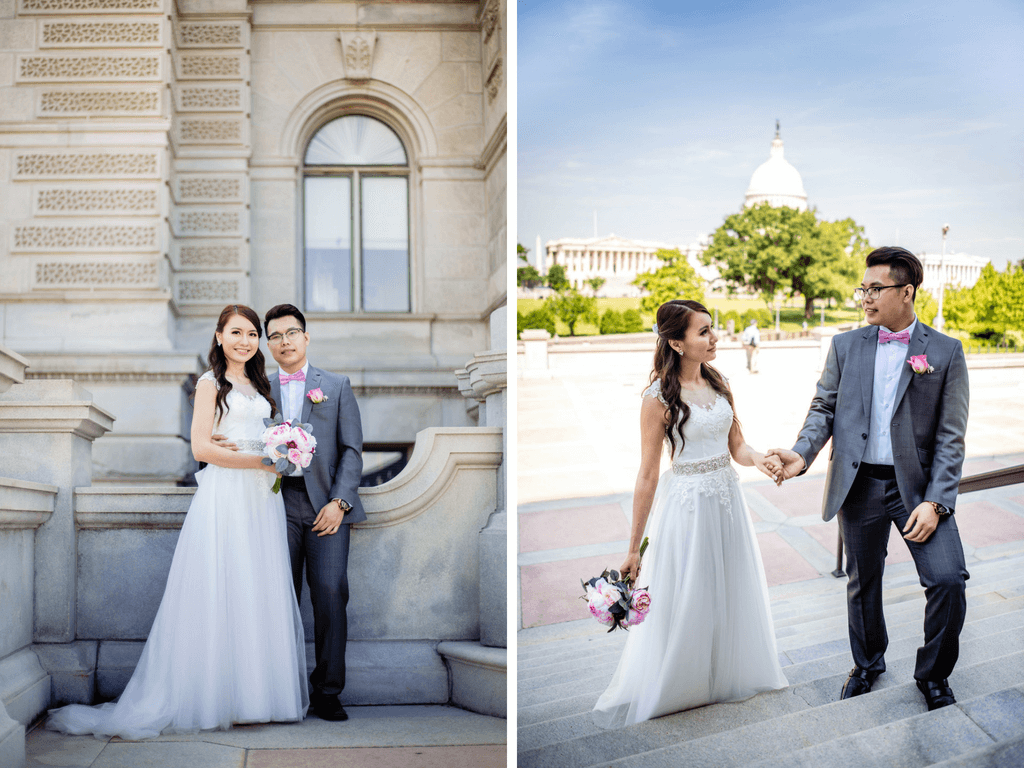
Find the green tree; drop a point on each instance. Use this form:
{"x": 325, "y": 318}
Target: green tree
{"x": 632, "y": 322}
{"x": 538, "y": 318}
{"x": 595, "y": 284}
{"x": 571, "y": 307}
{"x": 557, "y": 279}
{"x": 770, "y": 250}
{"x": 675, "y": 280}
{"x": 528, "y": 277}
{"x": 611, "y": 322}
{"x": 926, "y": 307}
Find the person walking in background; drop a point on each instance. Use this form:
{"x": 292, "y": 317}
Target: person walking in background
{"x": 751, "y": 341}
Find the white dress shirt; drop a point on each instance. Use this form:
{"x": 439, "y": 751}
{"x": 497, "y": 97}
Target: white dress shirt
{"x": 291, "y": 405}
{"x": 889, "y": 361}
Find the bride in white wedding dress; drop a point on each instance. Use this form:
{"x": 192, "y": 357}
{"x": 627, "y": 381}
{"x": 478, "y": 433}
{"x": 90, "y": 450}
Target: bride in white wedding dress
{"x": 709, "y": 635}
{"x": 227, "y": 644}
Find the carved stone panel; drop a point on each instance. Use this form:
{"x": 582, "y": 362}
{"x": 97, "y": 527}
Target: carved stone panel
{"x": 357, "y": 53}
{"x": 107, "y": 236}
{"x": 99, "y": 102}
{"x": 71, "y": 67}
{"x": 490, "y": 29}
{"x": 218, "y": 97}
{"x": 211, "y": 130}
{"x": 195, "y": 290}
{"x": 96, "y": 274}
{"x": 494, "y": 81}
{"x": 89, "y": 6}
{"x": 208, "y": 254}
{"x": 126, "y": 33}
{"x": 87, "y": 164}
{"x": 192, "y": 34}
{"x": 208, "y": 188}
{"x": 210, "y": 66}
{"x": 97, "y": 199}
{"x": 206, "y": 221}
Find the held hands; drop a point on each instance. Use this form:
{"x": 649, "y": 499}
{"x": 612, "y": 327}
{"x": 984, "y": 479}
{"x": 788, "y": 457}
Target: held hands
{"x": 922, "y": 523}
{"x": 329, "y": 519}
{"x": 792, "y": 463}
{"x": 770, "y": 465}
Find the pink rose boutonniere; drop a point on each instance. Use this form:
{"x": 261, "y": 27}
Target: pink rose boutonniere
{"x": 316, "y": 395}
{"x": 919, "y": 363}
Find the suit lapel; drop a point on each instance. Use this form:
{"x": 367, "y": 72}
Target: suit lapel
{"x": 917, "y": 345}
{"x": 866, "y": 365}
{"x": 275, "y": 392}
{"x": 312, "y": 382}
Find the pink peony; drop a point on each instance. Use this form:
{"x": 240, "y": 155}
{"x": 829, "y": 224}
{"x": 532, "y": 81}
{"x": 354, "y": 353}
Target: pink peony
{"x": 640, "y": 601}
{"x": 295, "y": 457}
{"x": 919, "y": 363}
{"x": 301, "y": 440}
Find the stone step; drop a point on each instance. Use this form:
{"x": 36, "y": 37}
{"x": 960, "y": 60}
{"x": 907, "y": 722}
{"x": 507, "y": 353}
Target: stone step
{"x": 1002, "y": 754}
{"x": 772, "y": 737}
{"x": 945, "y": 735}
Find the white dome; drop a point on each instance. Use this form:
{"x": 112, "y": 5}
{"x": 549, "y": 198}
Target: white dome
{"x": 776, "y": 181}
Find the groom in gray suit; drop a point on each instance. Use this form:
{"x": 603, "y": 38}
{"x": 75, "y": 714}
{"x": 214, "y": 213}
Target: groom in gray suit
{"x": 893, "y": 397}
{"x": 322, "y": 500}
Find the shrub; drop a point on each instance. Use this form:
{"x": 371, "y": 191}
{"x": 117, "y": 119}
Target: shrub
{"x": 612, "y": 322}
{"x": 632, "y": 322}
{"x": 538, "y": 318}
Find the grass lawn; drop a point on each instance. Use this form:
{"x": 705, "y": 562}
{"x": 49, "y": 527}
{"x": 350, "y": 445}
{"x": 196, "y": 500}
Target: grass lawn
{"x": 791, "y": 316}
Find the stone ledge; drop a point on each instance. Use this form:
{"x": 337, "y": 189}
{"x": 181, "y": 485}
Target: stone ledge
{"x": 59, "y": 405}
{"x": 486, "y": 374}
{"x": 12, "y": 368}
{"x": 153, "y": 508}
{"x": 25, "y": 504}
{"x": 479, "y": 676}
{"x": 24, "y": 686}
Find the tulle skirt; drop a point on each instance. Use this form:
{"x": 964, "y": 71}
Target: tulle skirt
{"x": 709, "y": 635}
{"x": 227, "y": 644}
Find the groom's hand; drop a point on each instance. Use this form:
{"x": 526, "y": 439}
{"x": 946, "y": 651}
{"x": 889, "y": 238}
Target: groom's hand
{"x": 922, "y": 523}
{"x": 329, "y": 519}
{"x": 792, "y": 463}
{"x": 222, "y": 442}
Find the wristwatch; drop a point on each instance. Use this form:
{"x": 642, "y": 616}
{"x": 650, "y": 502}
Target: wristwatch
{"x": 940, "y": 510}
{"x": 345, "y": 506}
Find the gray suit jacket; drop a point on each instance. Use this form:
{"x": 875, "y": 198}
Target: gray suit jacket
{"x": 928, "y": 421}
{"x": 337, "y": 465}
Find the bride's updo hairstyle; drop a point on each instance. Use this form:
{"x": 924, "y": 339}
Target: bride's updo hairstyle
{"x": 674, "y": 319}
{"x": 255, "y": 366}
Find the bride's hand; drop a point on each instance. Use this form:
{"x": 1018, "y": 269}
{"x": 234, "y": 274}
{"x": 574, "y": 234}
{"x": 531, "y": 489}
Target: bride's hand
{"x": 770, "y": 465}
{"x": 631, "y": 566}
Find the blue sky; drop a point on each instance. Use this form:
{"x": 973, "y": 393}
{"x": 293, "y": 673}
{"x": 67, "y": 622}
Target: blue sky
{"x": 901, "y": 115}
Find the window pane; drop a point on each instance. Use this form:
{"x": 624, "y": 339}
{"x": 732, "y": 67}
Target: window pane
{"x": 355, "y": 140}
{"x": 385, "y": 205}
{"x": 328, "y": 203}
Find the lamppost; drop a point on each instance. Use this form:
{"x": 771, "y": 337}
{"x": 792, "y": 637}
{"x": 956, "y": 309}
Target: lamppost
{"x": 940, "y": 321}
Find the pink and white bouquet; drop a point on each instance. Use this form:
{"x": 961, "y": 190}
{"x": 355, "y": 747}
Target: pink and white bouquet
{"x": 288, "y": 445}
{"x": 614, "y": 602}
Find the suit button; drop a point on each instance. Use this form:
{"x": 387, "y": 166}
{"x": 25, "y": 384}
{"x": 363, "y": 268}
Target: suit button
{"x": 896, "y": 455}
{"x": 855, "y": 465}
{"x": 865, "y": 435}
{"x": 895, "y": 423}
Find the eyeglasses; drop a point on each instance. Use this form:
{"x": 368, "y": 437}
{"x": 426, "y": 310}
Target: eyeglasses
{"x": 291, "y": 334}
{"x": 874, "y": 291}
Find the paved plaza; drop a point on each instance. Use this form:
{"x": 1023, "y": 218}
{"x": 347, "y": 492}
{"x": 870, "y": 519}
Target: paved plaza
{"x": 578, "y": 455}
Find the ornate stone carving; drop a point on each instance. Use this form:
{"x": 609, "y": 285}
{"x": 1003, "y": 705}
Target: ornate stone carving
{"x": 86, "y": 237}
{"x": 78, "y": 200}
{"x": 194, "y": 256}
{"x": 141, "y": 164}
{"x": 209, "y": 99}
{"x": 209, "y": 66}
{"x": 50, "y": 67}
{"x": 210, "y": 131}
{"x": 209, "y": 222}
{"x": 209, "y": 188}
{"x": 494, "y": 81}
{"x": 99, "y": 102}
{"x": 95, "y": 34}
{"x": 90, "y": 6}
{"x": 114, "y": 274}
{"x": 491, "y": 19}
{"x": 202, "y": 35}
{"x": 357, "y": 53}
{"x": 207, "y": 291}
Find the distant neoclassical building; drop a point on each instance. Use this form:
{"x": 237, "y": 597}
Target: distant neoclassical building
{"x": 962, "y": 270}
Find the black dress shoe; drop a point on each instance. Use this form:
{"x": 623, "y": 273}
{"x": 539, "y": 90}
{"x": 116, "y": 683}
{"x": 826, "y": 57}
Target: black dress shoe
{"x": 937, "y": 695}
{"x": 858, "y": 682}
{"x": 329, "y": 709}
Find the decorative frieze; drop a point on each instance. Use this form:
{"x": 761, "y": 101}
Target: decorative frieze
{"x": 207, "y": 291}
{"x": 87, "y": 164}
{"x": 203, "y": 188}
{"x": 208, "y": 98}
{"x": 100, "y": 34}
{"x": 89, "y": 6}
{"x": 194, "y": 130}
{"x": 49, "y": 67}
{"x": 92, "y": 200}
{"x": 190, "y": 34}
{"x": 205, "y": 221}
{"x": 119, "y": 102}
{"x": 209, "y": 66}
{"x": 206, "y": 254}
{"x": 85, "y": 237}
{"x": 494, "y": 81}
{"x": 357, "y": 53}
{"x": 96, "y": 274}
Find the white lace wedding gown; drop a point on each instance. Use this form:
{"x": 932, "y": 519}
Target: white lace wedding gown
{"x": 227, "y": 644}
{"x": 709, "y": 635}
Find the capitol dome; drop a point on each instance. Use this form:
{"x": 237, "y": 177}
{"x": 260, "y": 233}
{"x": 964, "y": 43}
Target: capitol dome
{"x": 776, "y": 181}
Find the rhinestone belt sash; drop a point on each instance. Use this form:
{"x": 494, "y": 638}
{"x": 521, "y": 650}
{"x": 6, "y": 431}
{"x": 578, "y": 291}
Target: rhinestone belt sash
{"x": 701, "y": 466}
{"x": 248, "y": 445}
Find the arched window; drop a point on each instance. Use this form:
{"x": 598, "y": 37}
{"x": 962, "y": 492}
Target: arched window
{"x": 356, "y": 223}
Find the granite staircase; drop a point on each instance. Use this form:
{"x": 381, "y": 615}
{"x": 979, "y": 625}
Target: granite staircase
{"x": 563, "y": 668}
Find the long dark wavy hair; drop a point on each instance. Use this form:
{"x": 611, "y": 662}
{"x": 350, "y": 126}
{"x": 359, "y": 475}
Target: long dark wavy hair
{"x": 255, "y": 366}
{"x": 674, "y": 318}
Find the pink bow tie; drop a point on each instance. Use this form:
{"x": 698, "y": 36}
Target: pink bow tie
{"x": 285, "y": 378}
{"x": 884, "y": 337}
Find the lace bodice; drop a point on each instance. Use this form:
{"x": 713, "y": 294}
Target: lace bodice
{"x": 706, "y": 432}
{"x": 243, "y": 423}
